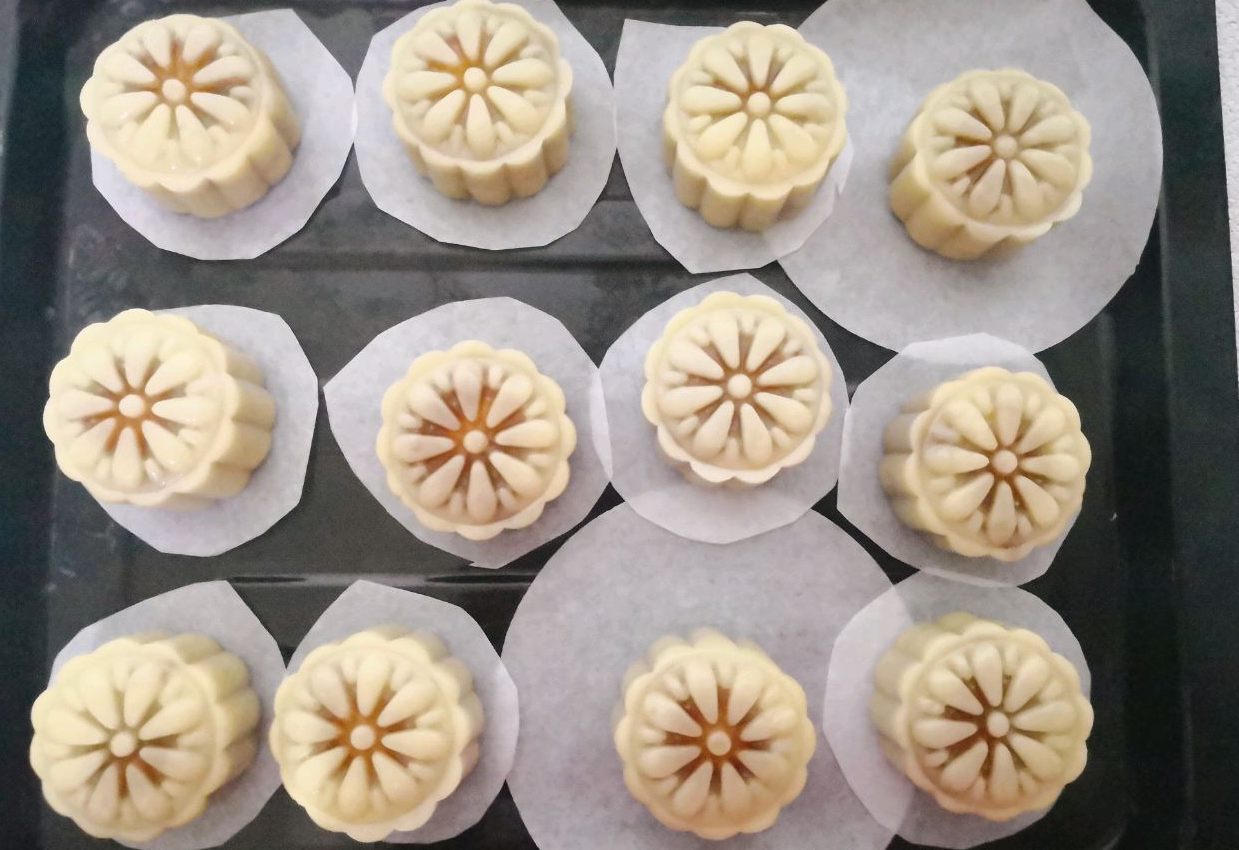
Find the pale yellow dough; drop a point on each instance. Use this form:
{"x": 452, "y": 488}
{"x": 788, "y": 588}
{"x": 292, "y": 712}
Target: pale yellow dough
{"x": 373, "y": 732}
{"x": 133, "y": 738}
{"x": 754, "y": 120}
{"x": 715, "y": 739}
{"x": 737, "y": 388}
{"x": 992, "y": 160}
{"x": 191, "y": 113}
{"x": 983, "y": 717}
{"x": 150, "y": 410}
{"x": 482, "y": 100}
{"x": 990, "y": 464}
{"x": 476, "y": 441}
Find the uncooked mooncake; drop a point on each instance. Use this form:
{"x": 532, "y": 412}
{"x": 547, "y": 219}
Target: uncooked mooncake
{"x": 754, "y": 121}
{"x": 372, "y": 732}
{"x": 192, "y": 114}
{"x": 476, "y": 441}
{"x": 991, "y": 464}
{"x": 993, "y": 159}
{"x": 985, "y": 718}
{"x": 133, "y": 738}
{"x": 737, "y": 388}
{"x": 150, "y": 410}
{"x": 714, "y": 738}
{"x": 482, "y": 99}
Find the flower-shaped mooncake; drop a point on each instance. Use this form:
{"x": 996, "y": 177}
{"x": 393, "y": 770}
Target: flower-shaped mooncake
{"x": 754, "y": 119}
{"x": 985, "y": 718}
{"x": 191, "y": 113}
{"x": 990, "y": 464}
{"x": 737, "y": 388}
{"x": 481, "y": 98}
{"x": 475, "y": 441}
{"x": 133, "y": 738}
{"x": 715, "y": 739}
{"x": 373, "y": 732}
{"x": 150, "y": 410}
{"x": 994, "y": 158}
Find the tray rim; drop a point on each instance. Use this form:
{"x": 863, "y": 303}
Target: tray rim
{"x": 1202, "y": 400}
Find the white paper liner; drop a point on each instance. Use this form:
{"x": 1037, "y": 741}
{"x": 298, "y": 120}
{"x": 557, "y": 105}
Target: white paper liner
{"x": 887, "y": 793}
{"x": 561, "y": 206}
{"x": 879, "y": 398}
{"x": 657, "y": 490}
{"x": 648, "y": 56}
{"x": 864, "y": 271}
{"x": 355, "y": 395}
{"x": 322, "y": 96}
{"x": 214, "y": 609}
{"x": 365, "y": 605}
{"x": 596, "y": 607}
{"x": 275, "y": 487}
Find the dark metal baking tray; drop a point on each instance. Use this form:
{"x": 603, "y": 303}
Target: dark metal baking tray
{"x": 1146, "y": 579}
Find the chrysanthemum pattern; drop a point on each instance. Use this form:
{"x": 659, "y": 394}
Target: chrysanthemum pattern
{"x": 715, "y": 739}
{"x": 754, "y": 119}
{"x": 193, "y": 113}
{"x": 737, "y": 388}
{"x": 480, "y": 96}
{"x": 475, "y": 440}
{"x": 985, "y": 718}
{"x": 373, "y": 732}
{"x": 991, "y": 464}
{"x": 133, "y": 738}
{"x": 992, "y": 156}
{"x": 148, "y": 409}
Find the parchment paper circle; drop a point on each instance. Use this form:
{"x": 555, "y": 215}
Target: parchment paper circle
{"x": 322, "y": 95}
{"x": 275, "y": 487}
{"x": 888, "y": 794}
{"x": 879, "y": 398}
{"x": 213, "y": 609}
{"x": 658, "y": 491}
{"x": 355, "y": 395}
{"x": 365, "y": 605}
{"x": 863, "y": 270}
{"x": 648, "y": 56}
{"x": 398, "y": 190}
{"x": 617, "y": 586}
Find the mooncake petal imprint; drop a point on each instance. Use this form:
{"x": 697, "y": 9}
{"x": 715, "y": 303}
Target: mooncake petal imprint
{"x": 192, "y": 113}
{"x": 754, "y": 120}
{"x": 132, "y": 739}
{"x": 476, "y": 441}
{"x": 150, "y": 410}
{"x": 714, "y": 738}
{"x": 986, "y": 719}
{"x": 737, "y": 388}
{"x": 993, "y": 158}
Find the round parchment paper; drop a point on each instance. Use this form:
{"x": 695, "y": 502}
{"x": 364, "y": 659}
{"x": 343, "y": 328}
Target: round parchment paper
{"x": 658, "y": 491}
{"x": 862, "y": 269}
{"x": 648, "y": 56}
{"x": 887, "y": 793}
{"x": 612, "y": 590}
{"x": 322, "y": 96}
{"x": 275, "y": 487}
{"x": 355, "y": 395}
{"x": 213, "y": 609}
{"x": 365, "y": 605}
{"x": 561, "y": 206}
{"x": 879, "y": 398}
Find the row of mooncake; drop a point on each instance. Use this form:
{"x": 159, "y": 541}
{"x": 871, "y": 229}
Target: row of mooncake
{"x": 372, "y": 732}
{"x": 150, "y": 410}
{"x": 195, "y": 115}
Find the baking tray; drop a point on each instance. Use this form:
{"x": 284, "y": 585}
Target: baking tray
{"x": 1146, "y": 579}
